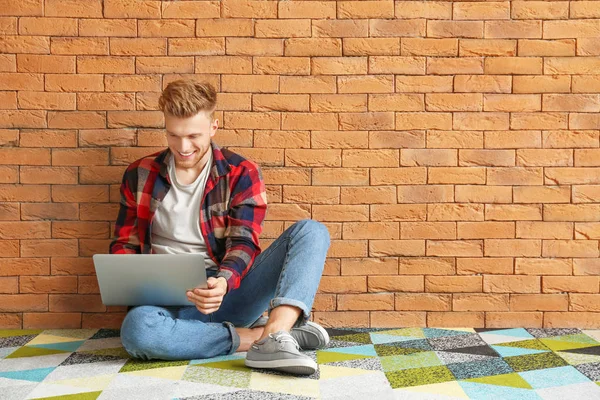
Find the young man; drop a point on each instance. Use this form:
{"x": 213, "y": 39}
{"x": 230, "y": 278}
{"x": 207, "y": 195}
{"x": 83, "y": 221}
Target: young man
{"x": 196, "y": 197}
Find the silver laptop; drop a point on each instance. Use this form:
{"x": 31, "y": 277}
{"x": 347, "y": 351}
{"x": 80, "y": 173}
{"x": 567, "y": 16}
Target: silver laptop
{"x": 149, "y": 279}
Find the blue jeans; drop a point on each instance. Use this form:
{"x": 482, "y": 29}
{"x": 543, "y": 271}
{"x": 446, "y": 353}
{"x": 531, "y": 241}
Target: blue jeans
{"x": 287, "y": 272}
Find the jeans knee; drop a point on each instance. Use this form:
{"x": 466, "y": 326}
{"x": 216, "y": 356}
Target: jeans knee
{"x": 135, "y": 335}
{"x": 317, "y": 230}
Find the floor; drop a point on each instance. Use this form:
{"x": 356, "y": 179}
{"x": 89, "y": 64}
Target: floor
{"x": 409, "y": 363}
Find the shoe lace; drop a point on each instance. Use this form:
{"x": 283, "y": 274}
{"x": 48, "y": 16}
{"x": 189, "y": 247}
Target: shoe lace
{"x": 284, "y": 338}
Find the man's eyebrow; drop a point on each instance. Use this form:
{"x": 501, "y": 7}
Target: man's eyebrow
{"x": 193, "y": 133}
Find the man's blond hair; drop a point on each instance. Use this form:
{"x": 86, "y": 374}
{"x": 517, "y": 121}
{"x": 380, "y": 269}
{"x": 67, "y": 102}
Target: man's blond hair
{"x": 186, "y": 98}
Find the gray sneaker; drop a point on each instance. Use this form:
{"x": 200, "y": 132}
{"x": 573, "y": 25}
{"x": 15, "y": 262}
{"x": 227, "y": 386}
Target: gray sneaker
{"x": 280, "y": 351}
{"x": 310, "y": 336}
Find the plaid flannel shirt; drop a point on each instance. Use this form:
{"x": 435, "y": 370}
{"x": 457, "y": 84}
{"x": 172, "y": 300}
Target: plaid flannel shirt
{"x": 232, "y": 211}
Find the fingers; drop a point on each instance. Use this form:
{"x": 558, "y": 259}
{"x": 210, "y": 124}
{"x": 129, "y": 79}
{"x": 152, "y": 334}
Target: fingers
{"x": 205, "y": 305}
{"x": 216, "y": 292}
{"x": 204, "y": 299}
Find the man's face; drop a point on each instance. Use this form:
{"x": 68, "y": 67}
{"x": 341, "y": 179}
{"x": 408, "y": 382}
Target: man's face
{"x": 189, "y": 138}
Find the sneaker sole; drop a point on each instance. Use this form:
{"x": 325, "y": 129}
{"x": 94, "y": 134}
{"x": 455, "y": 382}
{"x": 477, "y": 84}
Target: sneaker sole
{"x": 300, "y": 367}
{"x": 322, "y": 334}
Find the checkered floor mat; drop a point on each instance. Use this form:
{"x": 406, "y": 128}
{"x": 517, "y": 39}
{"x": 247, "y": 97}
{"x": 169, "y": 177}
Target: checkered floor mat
{"x": 408, "y": 363}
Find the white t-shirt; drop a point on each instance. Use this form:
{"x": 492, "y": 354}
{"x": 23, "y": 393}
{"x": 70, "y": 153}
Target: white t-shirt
{"x": 176, "y": 223}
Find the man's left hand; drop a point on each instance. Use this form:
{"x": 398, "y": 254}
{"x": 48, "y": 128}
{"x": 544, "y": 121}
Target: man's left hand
{"x": 209, "y": 300}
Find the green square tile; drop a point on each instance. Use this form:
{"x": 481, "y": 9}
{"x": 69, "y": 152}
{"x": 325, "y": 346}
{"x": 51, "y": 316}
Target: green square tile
{"x": 135, "y": 364}
{"x": 355, "y": 337}
{"x": 531, "y": 362}
{"x": 383, "y": 350}
{"x": 416, "y": 360}
{"x": 533, "y": 344}
{"x": 419, "y": 376}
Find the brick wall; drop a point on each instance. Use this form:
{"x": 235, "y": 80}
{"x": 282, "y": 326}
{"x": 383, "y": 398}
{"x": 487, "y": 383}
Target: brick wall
{"x": 451, "y": 148}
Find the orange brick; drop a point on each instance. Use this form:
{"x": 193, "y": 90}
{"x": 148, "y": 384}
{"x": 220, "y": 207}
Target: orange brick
{"x": 37, "y": 211}
{"x": 72, "y": 266}
{"x": 324, "y": 302}
{"x": 138, "y": 46}
{"x": 513, "y": 247}
{"x": 406, "y": 283}
{"x": 10, "y": 212}
{"x": 102, "y": 320}
{"x": 24, "y": 302}
{"x": 514, "y": 212}
{"x": 371, "y": 302}
{"x": 383, "y": 248}
{"x": 511, "y": 284}
{"x": 340, "y": 212}
{"x": 10, "y": 248}
{"x": 11, "y": 321}
{"x": 222, "y": 27}
{"x": 75, "y": 302}
{"x": 583, "y": 302}
{"x": 374, "y": 47}
{"x": 423, "y": 302}
{"x": 316, "y": 47}
{"x": 339, "y": 176}
{"x": 25, "y": 44}
{"x": 125, "y": 9}
{"x": 98, "y": 211}
{"x": 48, "y": 284}
{"x": 49, "y": 247}
{"x": 254, "y": 47}
{"x": 368, "y": 195}
{"x": 9, "y": 174}
{"x": 48, "y": 26}
{"x": 105, "y": 101}
{"x": 312, "y": 195}
{"x": 108, "y": 27}
{"x": 480, "y": 302}
{"x": 269, "y": 28}
{"x": 577, "y": 284}
{"x": 48, "y": 175}
{"x": 456, "y": 175}
{"x": 539, "y": 302}
{"x": 371, "y": 230}
{"x": 79, "y": 46}
{"x": 196, "y": 46}
{"x": 343, "y": 284}
{"x": 536, "y": 266}
{"x": 586, "y": 266}
{"x": 204, "y": 9}
{"x": 9, "y": 285}
{"x": 372, "y": 158}
{"x": 369, "y": 266}
{"x": 93, "y": 230}
{"x": 130, "y": 83}
{"x": 337, "y": 28}
{"x": 581, "y": 320}
{"x": 513, "y": 319}
{"x": 30, "y": 7}
{"x": 74, "y": 83}
{"x": 24, "y": 156}
{"x": 570, "y": 248}
{"x": 456, "y": 319}
{"x": 428, "y": 230}
{"x": 394, "y": 319}
{"x": 51, "y": 320}
{"x": 453, "y": 284}
{"x": 23, "y": 119}
{"x": 248, "y": 9}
